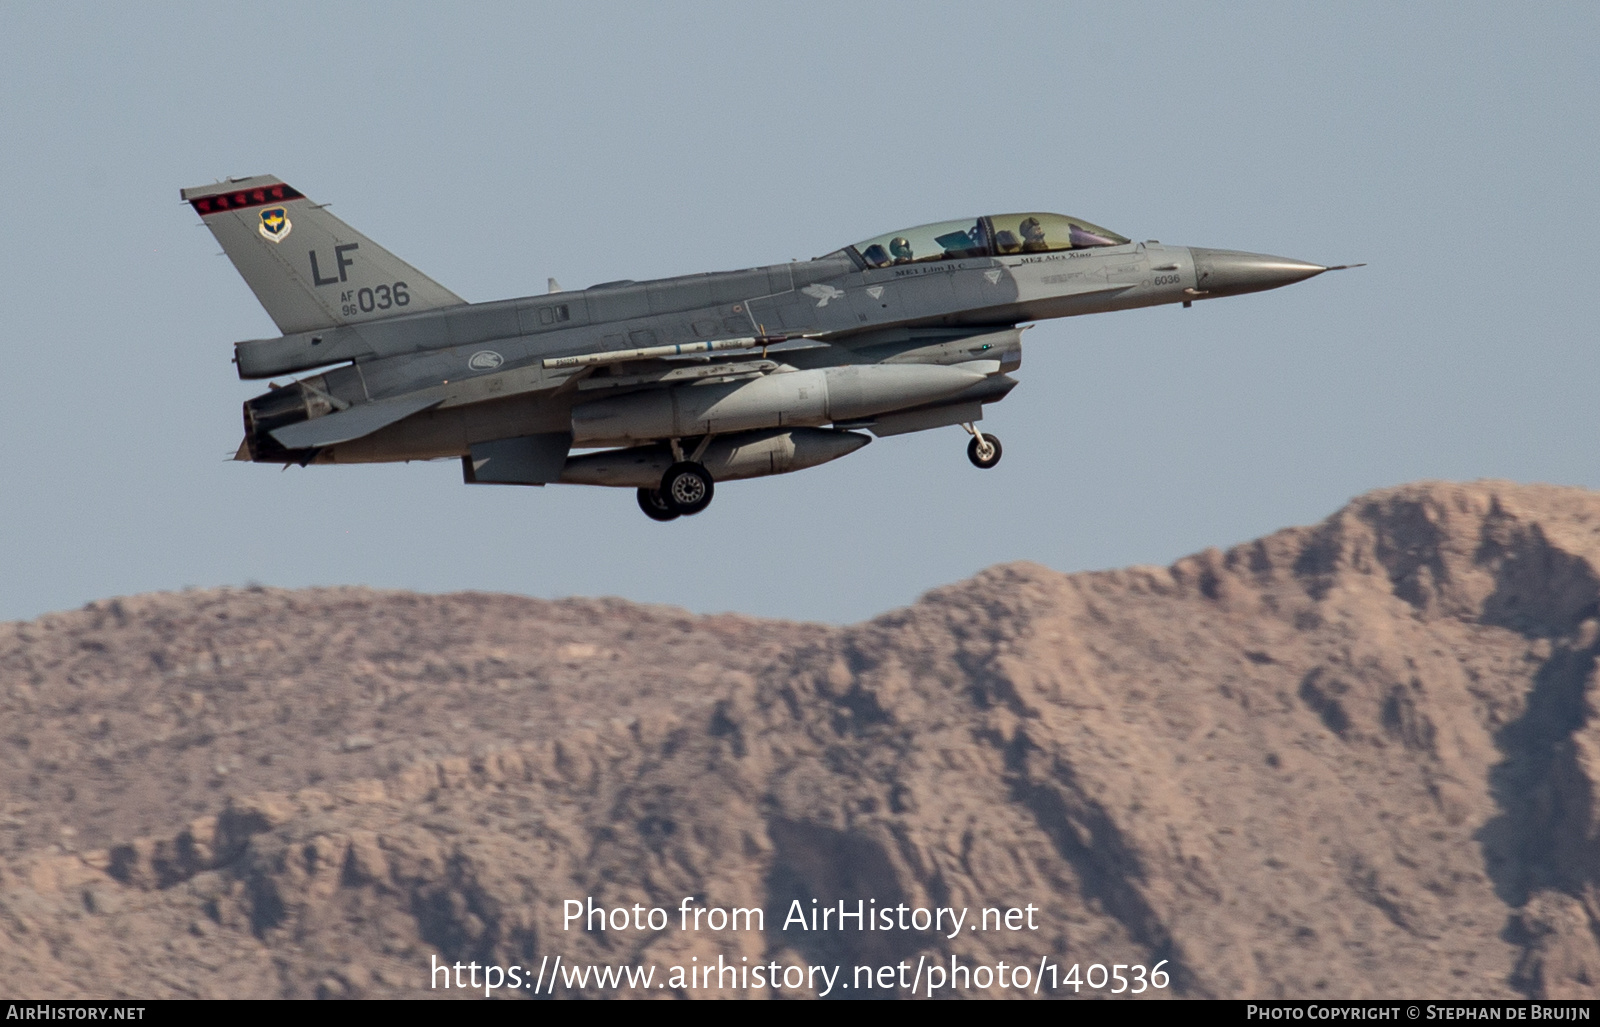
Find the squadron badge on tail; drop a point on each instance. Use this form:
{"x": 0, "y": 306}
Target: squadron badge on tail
{"x": 275, "y": 224}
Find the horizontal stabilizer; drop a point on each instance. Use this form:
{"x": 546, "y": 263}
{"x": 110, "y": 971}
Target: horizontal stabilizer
{"x": 352, "y": 423}
{"x": 528, "y": 460}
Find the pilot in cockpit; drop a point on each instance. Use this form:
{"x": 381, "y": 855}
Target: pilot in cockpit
{"x": 900, "y": 248}
{"x": 1032, "y": 236}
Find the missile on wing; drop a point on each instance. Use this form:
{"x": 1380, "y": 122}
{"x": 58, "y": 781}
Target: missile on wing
{"x": 650, "y": 353}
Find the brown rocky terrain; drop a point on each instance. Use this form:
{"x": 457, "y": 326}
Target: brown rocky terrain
{"x": 1355, "y": 759}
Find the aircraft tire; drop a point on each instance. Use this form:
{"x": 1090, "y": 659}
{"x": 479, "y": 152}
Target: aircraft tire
{"x": 686, "y": 488}
{"x": 655, "y": 507}
{"x": 978, "y": 460}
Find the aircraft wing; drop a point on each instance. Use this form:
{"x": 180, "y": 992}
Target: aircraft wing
{"x": 352, "y": 423}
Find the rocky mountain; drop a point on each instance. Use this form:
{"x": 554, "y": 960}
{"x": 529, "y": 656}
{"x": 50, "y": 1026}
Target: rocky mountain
{"x": 1354, "y": 759}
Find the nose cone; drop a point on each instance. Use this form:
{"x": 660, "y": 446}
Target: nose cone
{"x": 1230, "y": 272}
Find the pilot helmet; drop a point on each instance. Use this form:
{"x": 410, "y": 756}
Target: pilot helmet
{"x": 1031, "y": 228}
{"x": 900, "y": 246}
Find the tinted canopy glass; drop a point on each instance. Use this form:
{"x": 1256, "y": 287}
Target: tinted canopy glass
{"x": 1043, "y": 233}
{"x": 983, "y": 237}
{"x": 946, "y": 240}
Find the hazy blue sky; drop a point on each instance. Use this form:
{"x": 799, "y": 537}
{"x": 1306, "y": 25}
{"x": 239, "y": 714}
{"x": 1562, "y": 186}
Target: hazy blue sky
{"x": 1451, "y": 146}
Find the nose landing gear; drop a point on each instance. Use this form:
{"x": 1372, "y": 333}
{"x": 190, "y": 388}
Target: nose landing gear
{"x": 984, "y": 450}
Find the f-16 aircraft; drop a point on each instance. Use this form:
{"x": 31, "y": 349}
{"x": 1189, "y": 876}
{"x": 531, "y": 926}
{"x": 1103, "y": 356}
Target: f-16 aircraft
{"x": 669, "y": 386}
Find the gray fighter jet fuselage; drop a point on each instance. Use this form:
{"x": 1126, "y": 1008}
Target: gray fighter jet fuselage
{"x": 674, "y": 384}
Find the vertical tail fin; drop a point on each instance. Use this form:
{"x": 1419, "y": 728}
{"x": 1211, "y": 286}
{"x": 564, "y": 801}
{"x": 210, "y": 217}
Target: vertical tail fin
{"x": 309, "y": 269}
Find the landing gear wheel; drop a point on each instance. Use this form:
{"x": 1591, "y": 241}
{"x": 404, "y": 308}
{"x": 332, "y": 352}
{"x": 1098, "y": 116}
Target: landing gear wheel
{"x": 655, "y": 507}
{"x": 686, "y": 488}
{"x": 984, "y": 451}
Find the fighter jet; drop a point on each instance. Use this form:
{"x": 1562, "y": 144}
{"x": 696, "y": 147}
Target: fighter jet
{"x": 673, "y": 385}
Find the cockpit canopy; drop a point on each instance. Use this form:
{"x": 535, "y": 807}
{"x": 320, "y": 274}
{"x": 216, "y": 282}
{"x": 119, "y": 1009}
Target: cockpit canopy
{"x": 999, "y": 235}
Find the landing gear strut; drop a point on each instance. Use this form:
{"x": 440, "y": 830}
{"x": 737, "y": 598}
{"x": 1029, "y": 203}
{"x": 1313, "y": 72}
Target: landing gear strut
{"x": 685, "y": 489}
{"x": 984, "y": 450}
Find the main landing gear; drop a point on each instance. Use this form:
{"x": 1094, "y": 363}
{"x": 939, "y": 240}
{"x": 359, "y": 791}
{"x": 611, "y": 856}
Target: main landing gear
{"x": 655, "y": 507}
{"x": 685, "y": 489}
{"x": 984, "y": 450}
